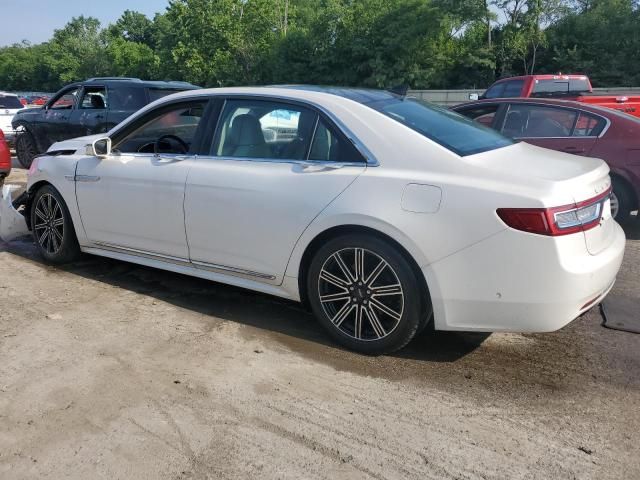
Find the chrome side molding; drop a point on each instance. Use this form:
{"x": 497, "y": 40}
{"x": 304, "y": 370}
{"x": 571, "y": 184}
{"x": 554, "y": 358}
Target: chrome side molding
{"x": 225, "y": 269}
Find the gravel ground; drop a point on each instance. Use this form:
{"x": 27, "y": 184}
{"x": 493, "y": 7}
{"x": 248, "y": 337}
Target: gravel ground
{"x": 115, "y": 371}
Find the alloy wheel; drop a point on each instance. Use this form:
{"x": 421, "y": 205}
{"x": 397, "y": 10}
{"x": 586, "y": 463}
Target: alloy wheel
{"x": 49, "y": 223}
{"x": 615, "y": 204}
{"x": 361, "y": 294}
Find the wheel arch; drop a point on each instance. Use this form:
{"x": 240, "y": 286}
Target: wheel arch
{"x": 627, "y": 185}
{"x": 30, "y": 129}
{"x": 344, "y": 229}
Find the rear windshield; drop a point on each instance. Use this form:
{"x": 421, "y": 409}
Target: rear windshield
{"x": 156, "y": 93}
{"x": 451, "y": 130}
{"x": 10, "y": 101}
{"x": 574, "y": 85}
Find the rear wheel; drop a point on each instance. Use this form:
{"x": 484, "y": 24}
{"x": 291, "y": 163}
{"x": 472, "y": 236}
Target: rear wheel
{"x": 26, "y": 149}
{"x": 365, "y": 293}
{"x": 622, "y": 201}
{"x": 52, "y": 227}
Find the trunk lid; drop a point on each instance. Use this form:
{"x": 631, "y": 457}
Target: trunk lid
{"x": 582, "y": 178}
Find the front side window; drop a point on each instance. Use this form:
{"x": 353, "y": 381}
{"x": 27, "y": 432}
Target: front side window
{"x": 484, "y": 115}
{"x": 264, "y": 129}
{"x": 66, "y": 100}
{"x": 496, "y": 91}
{"x": 455, "y": 132}
{"x": 536, "y": 121}
{"x": 94, "y": 98}
{"x": 170, "y": 131}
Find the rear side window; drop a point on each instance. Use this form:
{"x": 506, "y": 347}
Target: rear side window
{"x": 588, "y": 125}
{"x": 94, "y": 98}
{"x": 484, "y": 115}
{"x": 10, "y": 101}
{"x": 157, "y": 93}
{"x": 454, "y": 132}
{"x": 127, "y": 98}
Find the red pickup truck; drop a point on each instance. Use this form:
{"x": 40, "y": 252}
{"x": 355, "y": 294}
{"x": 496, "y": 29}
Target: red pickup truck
{"x": 568, "y": 87}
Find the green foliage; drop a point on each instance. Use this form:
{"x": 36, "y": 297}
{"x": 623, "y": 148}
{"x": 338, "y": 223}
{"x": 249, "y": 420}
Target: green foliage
{"x": 374, "y": 43}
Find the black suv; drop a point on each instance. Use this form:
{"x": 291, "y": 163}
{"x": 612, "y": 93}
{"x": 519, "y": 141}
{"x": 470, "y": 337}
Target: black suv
{"x": 85, "y": 108}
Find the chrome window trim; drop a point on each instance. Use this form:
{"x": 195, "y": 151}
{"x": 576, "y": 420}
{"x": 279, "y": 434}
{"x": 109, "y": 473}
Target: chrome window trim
{"x": 565, "y": 107}
{"x": 306, "y": 163}
{"x": 225, "y": 269}
{"x": 370, "y": 159}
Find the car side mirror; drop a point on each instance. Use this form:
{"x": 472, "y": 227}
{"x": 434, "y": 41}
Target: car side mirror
{"x": 474, "y": 96}
{"x": 100, "y": 148}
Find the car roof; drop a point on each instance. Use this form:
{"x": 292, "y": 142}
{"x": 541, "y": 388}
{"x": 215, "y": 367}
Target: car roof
{"x": 7, "y": 94}
{"x": 114, "y": 81}
{"x": 546, "y": 76}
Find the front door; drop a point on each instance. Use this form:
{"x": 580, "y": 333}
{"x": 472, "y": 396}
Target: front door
{"x": 273, "y": 167}
{"x": 133, "y": 199}
{"x": 55, "y": 119}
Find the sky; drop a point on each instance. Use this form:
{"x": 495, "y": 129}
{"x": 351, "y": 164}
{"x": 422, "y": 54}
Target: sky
{"x": 35, "y": 20}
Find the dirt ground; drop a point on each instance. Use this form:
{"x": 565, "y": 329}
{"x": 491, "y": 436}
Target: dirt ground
{"x": 110, "y": 370}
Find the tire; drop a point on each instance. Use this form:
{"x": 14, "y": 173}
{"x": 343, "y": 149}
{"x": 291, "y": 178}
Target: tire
{"x": 52, "y": 228}
{"x": 26, "y": 149}
{"x": 338, "y": 294}
{"x": 622, "y": 201}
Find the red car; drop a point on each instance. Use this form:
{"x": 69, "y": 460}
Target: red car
{"x": 572, "y": 127}
{"x": 567, "y": 87}
{"x": 5, "y": 157}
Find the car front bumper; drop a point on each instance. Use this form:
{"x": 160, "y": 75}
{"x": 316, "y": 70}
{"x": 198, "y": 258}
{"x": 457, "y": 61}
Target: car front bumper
{"x": 12, "y": 222}
{"x": 517, "y": 282}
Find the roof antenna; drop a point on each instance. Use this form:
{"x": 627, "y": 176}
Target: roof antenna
{"x": 400, "y": 89}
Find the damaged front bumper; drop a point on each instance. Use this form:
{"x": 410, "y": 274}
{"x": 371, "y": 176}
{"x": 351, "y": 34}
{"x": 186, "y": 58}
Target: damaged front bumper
{"x": 12, "y": 223}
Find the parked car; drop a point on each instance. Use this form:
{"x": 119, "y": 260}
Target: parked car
{"x": 576, "y": 128}
{"x": 568, "y": 87}
{"x": 9, "y": 105}
{"x": 381, "y": 212}
{"x": 93, "y": 106}
{"x": 5, "y": 158}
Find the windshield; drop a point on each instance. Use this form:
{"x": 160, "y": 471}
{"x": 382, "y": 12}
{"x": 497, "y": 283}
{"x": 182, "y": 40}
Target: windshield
{"x": 451, "y": 130}
{"x": 10, "y": 101}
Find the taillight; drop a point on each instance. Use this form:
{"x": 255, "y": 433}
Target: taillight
{"x": 576, "y": 217}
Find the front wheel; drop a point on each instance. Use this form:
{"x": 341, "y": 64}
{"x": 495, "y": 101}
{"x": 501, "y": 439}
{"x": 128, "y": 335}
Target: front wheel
{"x": 365, "y": 293}
{"x": 26, "y": 148}
{"x": 52, "y": 227}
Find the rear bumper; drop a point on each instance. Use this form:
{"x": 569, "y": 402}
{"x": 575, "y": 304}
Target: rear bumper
{"x": 517, "y": 282}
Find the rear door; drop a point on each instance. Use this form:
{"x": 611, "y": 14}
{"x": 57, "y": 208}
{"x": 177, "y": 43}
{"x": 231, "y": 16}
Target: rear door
{"x": 558, "y": 128}
{"x": 272, "y": 167}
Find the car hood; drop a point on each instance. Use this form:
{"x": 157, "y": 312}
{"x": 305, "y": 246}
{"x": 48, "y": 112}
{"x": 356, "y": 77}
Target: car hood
{"x": 78, "y": 144}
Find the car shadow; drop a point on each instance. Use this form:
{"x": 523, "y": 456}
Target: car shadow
{"x": 290, "y": 320}
{"x": 632, "y": 228}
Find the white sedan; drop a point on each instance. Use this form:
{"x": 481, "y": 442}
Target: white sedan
{"x": 384, "y": 214}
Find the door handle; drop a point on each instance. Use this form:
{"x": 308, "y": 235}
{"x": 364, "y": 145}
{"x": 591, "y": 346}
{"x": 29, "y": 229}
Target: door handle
{"x": 319, "y": 167}
{"x": 574, "y": 150}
